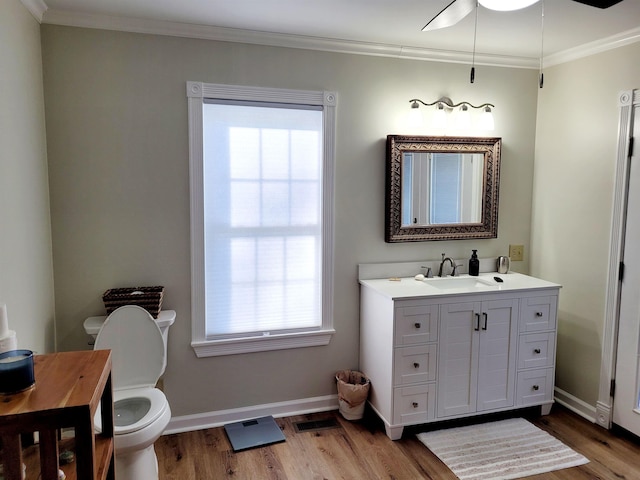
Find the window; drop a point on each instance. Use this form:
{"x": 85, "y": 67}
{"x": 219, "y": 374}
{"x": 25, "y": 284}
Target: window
{"x": 261, "y": 217}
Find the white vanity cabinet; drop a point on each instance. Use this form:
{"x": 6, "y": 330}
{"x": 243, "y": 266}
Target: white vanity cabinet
{"x": 433, "y": 355}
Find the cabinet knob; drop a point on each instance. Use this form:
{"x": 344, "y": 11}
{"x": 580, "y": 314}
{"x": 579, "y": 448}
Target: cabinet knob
{"x": 415, "y": 404}
{"x": 417, "y": 325}
{"x": 539, "y": 314}
{"x": 416, "y": 365}
{"x": 536, "y": 387}
{"x": 537, "y": 350}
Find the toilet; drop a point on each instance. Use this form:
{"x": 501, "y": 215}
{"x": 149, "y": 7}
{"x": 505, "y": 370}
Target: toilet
{"x": 141, "y": 411}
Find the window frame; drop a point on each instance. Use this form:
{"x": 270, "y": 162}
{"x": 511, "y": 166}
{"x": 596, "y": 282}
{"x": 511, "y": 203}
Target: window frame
{"x": 197, "y": 92}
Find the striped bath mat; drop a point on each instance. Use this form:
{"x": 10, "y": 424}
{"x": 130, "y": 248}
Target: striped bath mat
{"x": 501, "y": 450}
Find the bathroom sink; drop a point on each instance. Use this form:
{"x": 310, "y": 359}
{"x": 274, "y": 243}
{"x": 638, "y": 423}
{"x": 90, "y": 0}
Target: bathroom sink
{"x": 461, "y": 283}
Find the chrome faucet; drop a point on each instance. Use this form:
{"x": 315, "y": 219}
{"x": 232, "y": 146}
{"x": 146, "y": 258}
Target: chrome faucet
{"x": 445, "y": 260}
{"x": 427, "y": 272}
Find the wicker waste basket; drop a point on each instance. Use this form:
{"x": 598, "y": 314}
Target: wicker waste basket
{"x": 353, "y": 390}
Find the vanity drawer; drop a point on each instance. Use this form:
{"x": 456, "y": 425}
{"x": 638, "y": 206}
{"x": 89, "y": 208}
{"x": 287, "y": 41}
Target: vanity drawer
{"x": 538, "y": 313}
{"x": 415, "y": 364}
{"x": 416, "y": 324}
{"x": 536, "y": 350}
{"x": 414, "y": 404}
{"x": 534, "y": 387}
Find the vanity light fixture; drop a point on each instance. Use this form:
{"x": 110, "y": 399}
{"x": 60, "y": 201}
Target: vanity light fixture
{"x": 460, "y": 112}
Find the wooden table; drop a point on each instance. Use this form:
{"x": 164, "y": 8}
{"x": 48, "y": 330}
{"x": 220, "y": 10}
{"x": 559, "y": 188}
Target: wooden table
{"x": 69, "y": 387}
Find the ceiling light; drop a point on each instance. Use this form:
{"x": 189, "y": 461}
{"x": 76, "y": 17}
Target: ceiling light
{"x": 462, "y": 116}
{"x": 506, "y": 5}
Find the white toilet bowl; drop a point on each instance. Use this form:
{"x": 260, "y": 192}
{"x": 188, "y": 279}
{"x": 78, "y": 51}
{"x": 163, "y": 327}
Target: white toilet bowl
{"x": 141, "y": 411}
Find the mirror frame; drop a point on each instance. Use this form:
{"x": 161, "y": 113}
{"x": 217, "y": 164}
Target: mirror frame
{"x": 487, "y": 228}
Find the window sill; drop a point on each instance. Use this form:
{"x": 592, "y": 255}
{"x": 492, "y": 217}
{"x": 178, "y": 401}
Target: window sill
{"x": 215, "y": 348}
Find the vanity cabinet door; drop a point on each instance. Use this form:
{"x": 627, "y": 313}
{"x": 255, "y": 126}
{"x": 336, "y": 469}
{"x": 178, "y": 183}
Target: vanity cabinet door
{"x": 497, "y": 356}
{"x": 458, "y": 358}
{"x": 477, "y": 356}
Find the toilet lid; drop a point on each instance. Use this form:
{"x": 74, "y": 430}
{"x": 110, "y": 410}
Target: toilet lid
{"x": 136, "y": 344}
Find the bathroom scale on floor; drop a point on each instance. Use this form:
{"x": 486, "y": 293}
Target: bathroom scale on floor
{"x": 254, "y": 433}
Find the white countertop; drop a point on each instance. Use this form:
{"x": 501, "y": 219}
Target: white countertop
{"x": 409, "y": 287}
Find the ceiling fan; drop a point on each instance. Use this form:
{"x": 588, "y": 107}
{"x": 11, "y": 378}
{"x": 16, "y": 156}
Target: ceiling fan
{"x": 458, "y": 9}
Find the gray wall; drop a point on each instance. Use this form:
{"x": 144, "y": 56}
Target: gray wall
{"x": 26, "y": 275}
{"x": 116, "y": 115}
{"x": 577, "y": 132}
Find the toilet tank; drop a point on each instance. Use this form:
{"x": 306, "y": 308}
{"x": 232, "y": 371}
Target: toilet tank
{"x": 165, "y": 320}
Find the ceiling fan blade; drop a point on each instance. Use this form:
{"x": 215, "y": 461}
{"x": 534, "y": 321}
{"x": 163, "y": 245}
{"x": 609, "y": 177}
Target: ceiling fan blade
{"x": 599, "y": 3}
{"x": 450, "y": 15}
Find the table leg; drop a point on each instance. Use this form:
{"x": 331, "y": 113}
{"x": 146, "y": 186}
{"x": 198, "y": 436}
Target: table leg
{"x": 85, "y": 450}
{"x": 12, "y": 457}
{"x": 49, "y": 454}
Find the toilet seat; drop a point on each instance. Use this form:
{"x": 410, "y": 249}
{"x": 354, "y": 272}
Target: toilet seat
{"x": 151, "y": 400}
{"x": 157, "y": 405}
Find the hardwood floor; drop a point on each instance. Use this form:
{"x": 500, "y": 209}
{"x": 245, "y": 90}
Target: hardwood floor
{"x": 361, "y": 450}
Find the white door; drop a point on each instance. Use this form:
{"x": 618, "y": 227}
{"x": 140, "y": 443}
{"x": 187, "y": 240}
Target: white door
{"x": 626, "y": 403}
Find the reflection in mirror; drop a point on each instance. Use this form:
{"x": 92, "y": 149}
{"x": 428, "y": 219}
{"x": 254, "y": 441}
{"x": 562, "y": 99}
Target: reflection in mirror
{"x": 441, "y": 188}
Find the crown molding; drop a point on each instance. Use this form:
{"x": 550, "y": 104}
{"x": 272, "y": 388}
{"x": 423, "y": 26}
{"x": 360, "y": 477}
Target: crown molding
{"x": 157, "y": 27}
{"x": 592, "y": 48}
{"x": 223, "y": 34}
{"x": 36, "y": 8}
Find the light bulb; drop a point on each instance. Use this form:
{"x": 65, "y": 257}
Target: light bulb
{"x": 463, "y": 117}
{"x": 415, "y": 116}
{"x": 439, "y": 117}
{"x": 486, "y": 119}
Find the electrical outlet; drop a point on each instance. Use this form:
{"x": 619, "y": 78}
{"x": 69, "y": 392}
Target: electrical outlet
{"x": 516, "y": 253}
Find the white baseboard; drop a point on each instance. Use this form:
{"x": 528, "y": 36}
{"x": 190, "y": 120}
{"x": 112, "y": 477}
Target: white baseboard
{"x": 189, "y": 423}
{"x": 576, "y": 405}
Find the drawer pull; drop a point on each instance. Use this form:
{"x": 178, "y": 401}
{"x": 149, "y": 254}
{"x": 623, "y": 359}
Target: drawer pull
{"x": 415, "y": 404}
{"x": 536, "y": 387}
{"x": 416, "y": 365}
{"x": 417, "y": 325}
{"x": 484, "y": 314}
{"x": 537, "y": 350}
{"x": 539, "y": 314}
{"x": 477, "y": 327}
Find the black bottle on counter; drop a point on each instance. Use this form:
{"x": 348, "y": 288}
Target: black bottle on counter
{"x": 474, "y": 264}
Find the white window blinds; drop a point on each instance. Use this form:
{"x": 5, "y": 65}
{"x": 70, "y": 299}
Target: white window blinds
{"x": 262, "y": 191}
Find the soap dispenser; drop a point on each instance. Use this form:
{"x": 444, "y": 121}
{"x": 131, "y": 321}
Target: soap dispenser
{"x": 474, "y": 264}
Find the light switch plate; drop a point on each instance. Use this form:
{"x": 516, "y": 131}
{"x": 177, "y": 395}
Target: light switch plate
{"x": 516, "y": 253}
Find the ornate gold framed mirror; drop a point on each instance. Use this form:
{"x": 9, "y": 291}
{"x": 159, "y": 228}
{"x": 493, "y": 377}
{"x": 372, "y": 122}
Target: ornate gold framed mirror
{"x": 441, "y": 188}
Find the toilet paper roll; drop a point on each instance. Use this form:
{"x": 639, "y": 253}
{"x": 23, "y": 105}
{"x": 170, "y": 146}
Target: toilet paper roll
{"x": 4, "y": 321}
{"x": 9, "y": 342}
